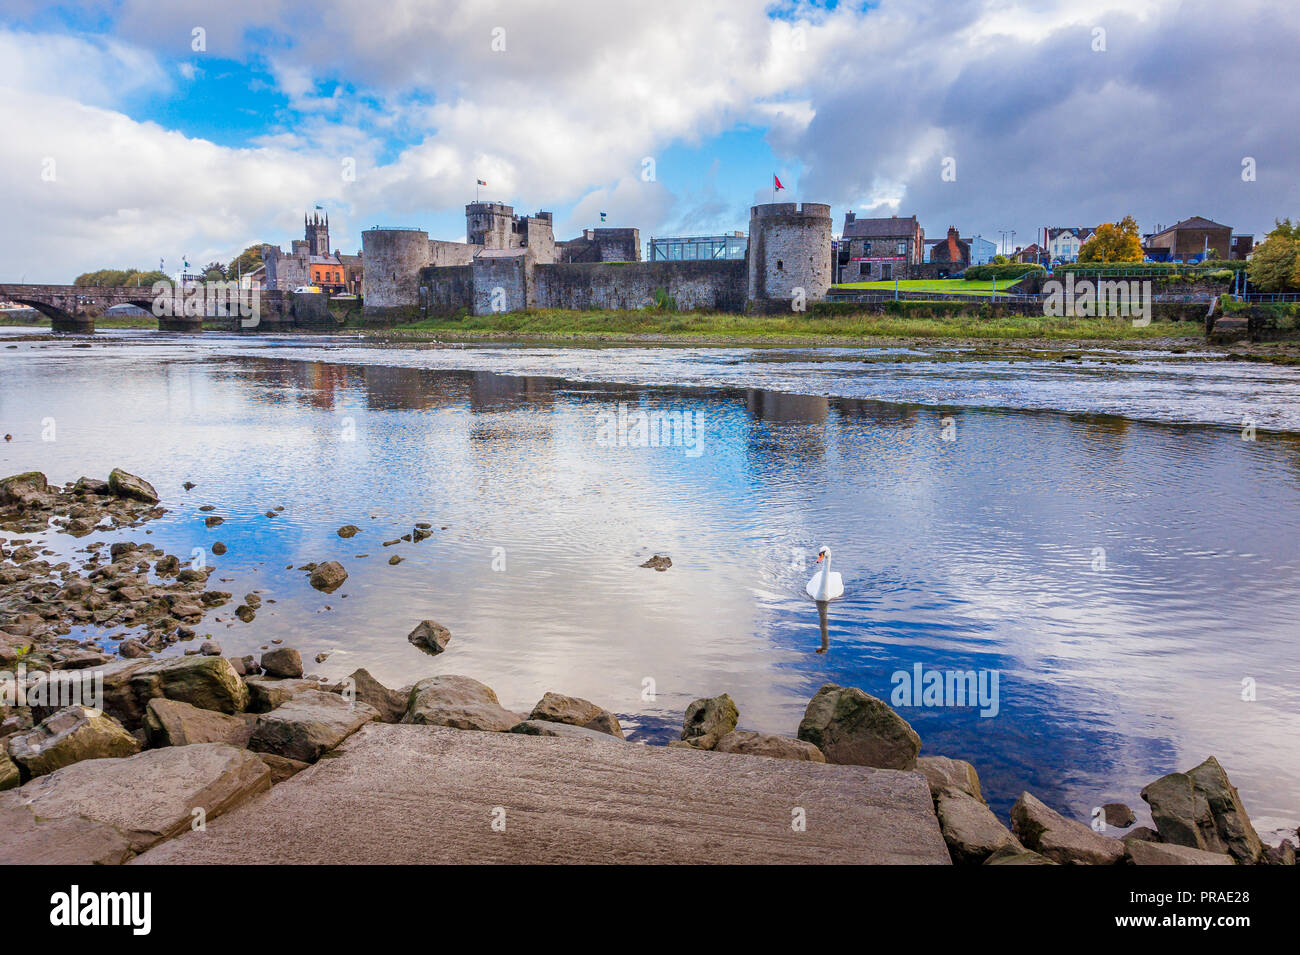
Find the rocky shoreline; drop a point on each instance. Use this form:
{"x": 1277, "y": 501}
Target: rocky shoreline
{"x": 85, "y": 732}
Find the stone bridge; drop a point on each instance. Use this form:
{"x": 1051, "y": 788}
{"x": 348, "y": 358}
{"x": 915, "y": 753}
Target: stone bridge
{"x": 71, "y": 308}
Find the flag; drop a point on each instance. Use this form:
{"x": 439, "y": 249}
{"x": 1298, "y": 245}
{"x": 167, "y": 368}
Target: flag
{"x": 602, "y": 217}
{"x": 322, "y": 208}
{"x": 480, "y": 182}
{"x": 777, "y": 181}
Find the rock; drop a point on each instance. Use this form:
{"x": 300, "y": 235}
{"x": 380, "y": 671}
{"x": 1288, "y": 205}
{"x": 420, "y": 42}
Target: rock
{"x": 1273, "y": 855}
{"x": 244, "y": 666}
{"x": 73, "y": 734}
{"x": 943, "y": 772}
{"x": 168, "y": 566}
{"x": 266, "y": 693}
{"x": 348, "y": 530}
{"x": 116, "y": 695}
{"x": 459, "y": 702}
{"x": 1061, "y": 840}
{"x": 850, "y": 726}
{"x": 218, "y": 548}
{"x": 172, "y": 723}
{"x": 214, "y": 777}
{"x": 659, "y": 562}
{"x": 210, "y": 648}
{"x": 1143, "y": 834}
{"x": 209, "y": 683}
{"x": 309, "y": 725}
{"x": 24, "y": 490}
{"x": 328, "y": 577}
{"x": 1118, "y": 815}
{"x": 214, "y": 521}
{"x": 282, "y": 662}
{"x": 762, "y": 744}
{"x": 360, "y": 685}
{"x": 9, "y": 773}
{"x": 282, "y": 767}
{"x": 556, "y": 708}
{"x": 128, "y": 485}
{"x": 89, "y": 485}
{"x": 430, "y": 636}
{"x": 970, "y": 829}
{"x": 1161, "y": 853}
{"x": 189, "y": 485}
{"x": 710, "y": 716}
{"x": 552, "y": 728}
{"x": 1200, "y": 809}
{"x": 71, "y": 840}
{"x": 1010, "y": 855}
{"x": 395, "y": 560}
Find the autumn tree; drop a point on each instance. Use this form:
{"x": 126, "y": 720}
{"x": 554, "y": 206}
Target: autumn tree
{"x": 1113, "y": 242}
{"x": 245, "y": 261}
{"x": 1275, "y": 264}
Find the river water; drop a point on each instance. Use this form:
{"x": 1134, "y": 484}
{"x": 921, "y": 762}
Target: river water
{"x": 1096, "y": 534}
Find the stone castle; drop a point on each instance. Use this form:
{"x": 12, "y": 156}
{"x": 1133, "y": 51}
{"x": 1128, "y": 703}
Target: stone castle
{"x": 510, "y": 263}
{"x": 309, "y": 261}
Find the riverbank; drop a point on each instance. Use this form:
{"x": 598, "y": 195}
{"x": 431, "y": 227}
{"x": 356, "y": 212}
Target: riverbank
{"x": 84, "y": 732}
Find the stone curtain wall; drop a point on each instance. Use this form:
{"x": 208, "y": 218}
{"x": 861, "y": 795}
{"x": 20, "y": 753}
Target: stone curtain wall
{"x": 692, "y": 285}
{"x": 447, "y": 290}
{"x": 511, "y": 275}
{"x": 452, "y": 253}
{"x": 393, "y": 259}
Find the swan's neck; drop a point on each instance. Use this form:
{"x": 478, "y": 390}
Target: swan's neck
{"x": 824, "y": 587}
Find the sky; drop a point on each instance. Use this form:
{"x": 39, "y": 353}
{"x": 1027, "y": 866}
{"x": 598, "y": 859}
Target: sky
{"x": 136, "y": 131}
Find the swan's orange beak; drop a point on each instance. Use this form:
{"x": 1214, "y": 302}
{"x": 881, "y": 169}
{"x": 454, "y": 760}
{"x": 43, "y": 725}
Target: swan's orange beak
{"x": 819, "y": 558}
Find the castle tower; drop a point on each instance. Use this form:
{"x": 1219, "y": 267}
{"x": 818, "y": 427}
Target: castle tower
{"x": 317, "y": 232}
{"x": 789, "y": 254}
{"x": 491, "y": 225}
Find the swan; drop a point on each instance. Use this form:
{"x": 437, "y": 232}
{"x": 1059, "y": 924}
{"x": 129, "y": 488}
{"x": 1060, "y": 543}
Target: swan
{"x": 824, "y": 584}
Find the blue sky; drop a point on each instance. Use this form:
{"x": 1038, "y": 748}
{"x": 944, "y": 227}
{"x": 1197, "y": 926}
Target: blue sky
{"x": 150, "y": 147}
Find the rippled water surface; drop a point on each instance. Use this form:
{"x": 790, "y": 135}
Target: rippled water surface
{"x": 1098, "y": 534}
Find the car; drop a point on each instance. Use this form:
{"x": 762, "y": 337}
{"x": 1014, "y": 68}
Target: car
{"x": 307, "y": 290}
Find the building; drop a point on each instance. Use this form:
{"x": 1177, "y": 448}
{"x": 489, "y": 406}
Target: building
{"x": 1191, "y": 240}
{"x": 953, "y": 252}
{"x": 1064, "y": 242}
{"x": 1242, "y": 246}
{"x": 787, "y": 266}
{"x": 982, "y": 250}
{"x": 1032, "y": 254}
{"x": 309, "y": 261}
{"x": 880, "y": 249}
{"x": 687, "y": 248}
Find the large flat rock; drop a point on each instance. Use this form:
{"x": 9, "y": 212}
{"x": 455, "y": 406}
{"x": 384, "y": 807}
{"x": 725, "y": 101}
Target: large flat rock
{"x": 427, "y": 794}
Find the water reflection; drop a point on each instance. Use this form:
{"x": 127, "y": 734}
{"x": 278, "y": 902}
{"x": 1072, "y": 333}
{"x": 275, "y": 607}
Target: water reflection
{"x": 972, "y": 551}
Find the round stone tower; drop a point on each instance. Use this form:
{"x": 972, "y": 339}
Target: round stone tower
{"x": 789, "y": 255}
{"x": 392, "y": 259}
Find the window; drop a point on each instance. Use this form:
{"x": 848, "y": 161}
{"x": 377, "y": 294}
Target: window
{"x": 902, "y": 248}
{"x": 780, "y": 265}
{"x": 864, "y": 268}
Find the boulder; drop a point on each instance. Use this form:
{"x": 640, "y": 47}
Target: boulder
{"x": 1062, "y": 840}
{"x": 1143, "y": 834}
{"x": 1010, "y": 855}
{"x": 210, "y": 648}
{"x": 266, "y": 693}
{"x": 1200, "y": 809}
{"x": 430, "y": 636}
{"x": 943, "y": 772}
{"x": 1283, "y": 854}
{"x": 459, "y": 702}
{"x": 714, "y": 716}
{"x": 70, "y": 840}
{"x": 1118, "y": 815}
{"x": 348, "y": 530}
{"x": 557, "y": 708}
{"x": 1162, "y": 853}
{"x": 214, "y": 777}
{"x": 659, "y": 562}
{"x": 360, "y": 685}
{"x": 209, "y": 683}
{"x": 282, "y": 662}
{"x": 970, "y": 829}
{"x": 309, "y": 725}
{"x": 282, "y": 767}
{"x": 128, "y": 485}
{"x": 24, "y": 490}
{"x": 552, "y": 728}
{"x": 245, "y": 666}
{"x": 115, "y": 695}
{"x": 9, "y": 774}
{"x": 73, "y": 734}
{"x": 172, "y": 723}
{"x": 850, "y": 726}
{"x": 328, "y": 577}
{"x": 763, "y": 744}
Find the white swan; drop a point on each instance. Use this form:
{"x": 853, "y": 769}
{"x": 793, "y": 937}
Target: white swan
{"x": 824, "y": 584}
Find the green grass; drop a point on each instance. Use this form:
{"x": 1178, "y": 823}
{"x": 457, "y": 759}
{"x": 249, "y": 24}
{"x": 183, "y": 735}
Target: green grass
{"x": 553, "y": 324}
{"x": 951, "y": 286}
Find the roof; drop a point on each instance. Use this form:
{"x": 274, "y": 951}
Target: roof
{"x": 886, "y": 227}
{"x": 1195, "y": 222}
{"x": 1080, "y": 232}
{"x": 323, "y": 260}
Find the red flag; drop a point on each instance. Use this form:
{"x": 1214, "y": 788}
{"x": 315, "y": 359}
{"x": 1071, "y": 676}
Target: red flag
{"x": 777, "y": 181}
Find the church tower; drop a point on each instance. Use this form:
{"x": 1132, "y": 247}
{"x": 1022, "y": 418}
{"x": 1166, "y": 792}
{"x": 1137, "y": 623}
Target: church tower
{"x": 317, "y": 234}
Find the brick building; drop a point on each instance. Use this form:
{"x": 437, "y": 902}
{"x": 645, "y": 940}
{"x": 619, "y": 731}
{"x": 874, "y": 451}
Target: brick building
{"x": 1191, "y": 240}
{"x": 880, "y": 249}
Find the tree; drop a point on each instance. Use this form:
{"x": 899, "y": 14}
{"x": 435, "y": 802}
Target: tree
{"x": 245, "y": 262}
{"x": 1000, "y": 260}
{"x": 1275, "y": 265}
{"x": 1113, "y": 243}
{"x": 214, "y": 272}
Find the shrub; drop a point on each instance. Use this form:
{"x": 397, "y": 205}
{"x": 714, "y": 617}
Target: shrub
{"x": 1009, "y": 270}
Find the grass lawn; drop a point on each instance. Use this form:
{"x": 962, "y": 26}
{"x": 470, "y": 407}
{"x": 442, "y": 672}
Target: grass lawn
{"x": 647, "y": 325}
{"x": 951, "y": 286}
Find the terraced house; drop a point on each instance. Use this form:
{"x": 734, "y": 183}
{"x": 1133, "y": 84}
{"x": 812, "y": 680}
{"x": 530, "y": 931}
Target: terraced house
{"x": 883, "y": 249}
